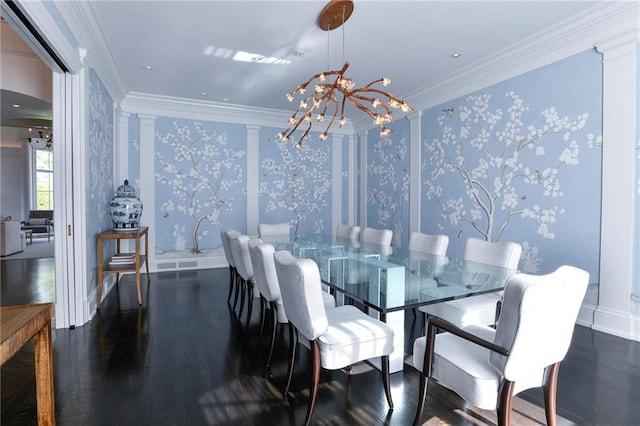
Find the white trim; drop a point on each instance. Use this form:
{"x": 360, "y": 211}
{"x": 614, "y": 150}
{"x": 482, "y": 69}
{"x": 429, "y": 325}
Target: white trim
{"x": 169, "y": 106}
{"x": 147, "y": 183}
{"x": 77, "y": 213}
{"x": 253, "y": 178}
{"x": 82, "y": 23}
{"x": 363, "y": 178}
{"x": 415, "y": 169}
{"x": 336, "y": 179}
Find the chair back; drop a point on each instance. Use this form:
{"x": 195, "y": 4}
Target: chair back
{"x": 348, "y": 232}
{"x": 430, "y": 244}
{"x": 226, "y": 245}
{"x": 274, "y": 232}
{"x": 240, "y": 249}
{"x": 300, "y": 289}
{"x": 381, "y": 237}
{"x": 537, "y": 322}
{"x": 504, "y": 254}
{"x": 264, "y": 269}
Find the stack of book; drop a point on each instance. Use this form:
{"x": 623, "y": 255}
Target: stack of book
{"x": 122, "y": 259}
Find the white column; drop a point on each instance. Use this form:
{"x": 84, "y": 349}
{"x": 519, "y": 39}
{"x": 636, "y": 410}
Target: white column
{"x": 253, "y": 178}
{"x": 147, "y": 182}
{"x": 351, "y": 181}
{"x": 336, "y": 190}
{"x": 121, "y": 151}
{"x": 363, "y": 178}
{"x": 415, "y": 184}
{"x": 620, "y": 116}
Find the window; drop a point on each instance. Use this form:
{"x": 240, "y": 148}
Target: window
{"x": 43, "y": 180}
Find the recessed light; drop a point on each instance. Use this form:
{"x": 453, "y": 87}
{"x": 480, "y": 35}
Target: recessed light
{"x": 16, "y": 105}
{"x": 147, "y": 67}
{"x": 226, "y": 99}
{"x": 203, "y": 93}
{"x": 456, "y": 54}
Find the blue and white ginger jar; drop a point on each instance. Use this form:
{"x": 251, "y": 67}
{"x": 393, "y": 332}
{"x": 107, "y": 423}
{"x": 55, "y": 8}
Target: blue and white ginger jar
{"x": 126, "y": 208}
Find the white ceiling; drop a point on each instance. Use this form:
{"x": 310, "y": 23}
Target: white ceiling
{"x": 190, "y": 44}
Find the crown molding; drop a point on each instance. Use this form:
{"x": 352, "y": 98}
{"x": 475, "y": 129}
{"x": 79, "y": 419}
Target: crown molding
{"x": 81, "y": 21}
{"x": 607, "y": 21}
{"x": 167, "y": 106}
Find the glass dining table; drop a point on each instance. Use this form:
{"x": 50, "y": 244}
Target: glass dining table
{"x": 387, "y": 281}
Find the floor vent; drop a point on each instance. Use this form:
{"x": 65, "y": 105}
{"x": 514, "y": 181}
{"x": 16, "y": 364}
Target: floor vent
{"x": 193, "y": 264}
{"x": 170, "y": 265}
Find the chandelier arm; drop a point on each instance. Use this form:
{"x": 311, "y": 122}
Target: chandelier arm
{"x": 379, "y": 91}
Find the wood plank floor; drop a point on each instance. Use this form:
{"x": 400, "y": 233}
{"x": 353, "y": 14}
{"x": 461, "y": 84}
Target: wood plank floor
{"x": 183, "y": 359}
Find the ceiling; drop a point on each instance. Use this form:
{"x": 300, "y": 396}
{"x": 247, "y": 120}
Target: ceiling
{"x": 190, "y": 45}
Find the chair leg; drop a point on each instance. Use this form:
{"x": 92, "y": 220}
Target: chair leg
{"x": 385, "y": 379}
{"x": 422, "y": 396}
{"x": 230, "y": 283}
{"x": 237, "y": 288}
{"x": 505, "y": 401}
{"x": 315, "y": 379}
{"x": 249, "y": 303}
{"x": 550, "y": 386}
{"x": 293, "y": 342}
{"x": 242, "y": 296}
{"x": 274, "y": 317}
{"x": 263, "y": 303}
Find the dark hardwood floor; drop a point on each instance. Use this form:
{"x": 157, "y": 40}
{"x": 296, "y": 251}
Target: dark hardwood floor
{"x": 183, "y": 359}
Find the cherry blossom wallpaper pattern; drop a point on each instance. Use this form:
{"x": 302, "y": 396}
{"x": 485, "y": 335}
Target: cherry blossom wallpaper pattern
{"x": 200, "y": 175}
{"x": 520, "y": 161}
{"x": 295, "y": 183}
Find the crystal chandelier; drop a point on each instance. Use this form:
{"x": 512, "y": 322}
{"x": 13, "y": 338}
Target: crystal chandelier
{"x": 332, "y": 89}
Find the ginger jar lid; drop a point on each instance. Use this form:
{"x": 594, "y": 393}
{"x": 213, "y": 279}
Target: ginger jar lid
{"x": 126, "y": 190}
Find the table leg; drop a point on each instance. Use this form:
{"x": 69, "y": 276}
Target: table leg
{"x": 100, "y": 273}
{"x": 44, "y": 377}
{"x": 146, "y": 254}
{"x": 138, "y": 270}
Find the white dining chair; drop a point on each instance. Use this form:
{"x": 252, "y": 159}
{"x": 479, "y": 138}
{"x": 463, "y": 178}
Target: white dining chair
{"x": 266, "y": 281}
{"x": 226, "y": 246}
{"x": 337, "y": 337}
{"x": 382, "y": 237}
{"x": 240, "y": 249}
{"x": 423, "y": 247}
{"x": 274, "y": 232}
{"x": 480, "y": 309}
{"x": 487, "y": 367}
{"x": 348, "y": 232}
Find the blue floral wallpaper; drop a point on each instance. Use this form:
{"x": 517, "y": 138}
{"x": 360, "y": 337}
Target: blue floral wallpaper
{"x": 388, "y": 176}
{"x": 520, "y": 161}
{"x": 100, "y": 167}
{"x": 295, "y": 183}
{"x": 199, "y": 184}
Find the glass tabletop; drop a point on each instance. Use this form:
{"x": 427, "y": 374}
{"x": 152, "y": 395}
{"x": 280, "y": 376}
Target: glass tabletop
{"x": 391, "y": 279}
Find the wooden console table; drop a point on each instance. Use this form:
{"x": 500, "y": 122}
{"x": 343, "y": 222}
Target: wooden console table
{"x": 19, "y": 324}
{"x": 140, "y": 258}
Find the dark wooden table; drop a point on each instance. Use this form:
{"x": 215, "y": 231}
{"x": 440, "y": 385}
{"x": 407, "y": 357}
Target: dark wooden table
{"x": 18, "y": 325}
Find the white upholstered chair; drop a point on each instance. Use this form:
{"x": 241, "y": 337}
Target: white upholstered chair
{"x": 274, "y": 232}
{"x": 228, "y": 254}
{"x": 348, "y": 232}
{"x": 487, "y": 367}
{"x": 240, "y": 248}
{"x": 424, "y": 247}
{"x": 381, "y": 237}
{"x": 479, "y": 309}
{"x": 266, "y": 281}
{"x": 337, "y": 337}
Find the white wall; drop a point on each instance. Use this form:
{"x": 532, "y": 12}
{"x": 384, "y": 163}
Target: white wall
{"x": 14, "y": 158}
